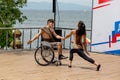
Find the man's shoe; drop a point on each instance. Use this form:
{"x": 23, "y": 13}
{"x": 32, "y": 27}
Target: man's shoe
{"x": 54, "y": 61}
{"x": 62, "y": 57}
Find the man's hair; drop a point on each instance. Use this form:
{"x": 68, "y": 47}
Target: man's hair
{"x": 51, "y": 20}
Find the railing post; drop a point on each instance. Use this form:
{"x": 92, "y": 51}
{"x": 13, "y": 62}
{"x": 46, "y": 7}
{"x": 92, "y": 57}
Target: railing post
{"x": 30, "y": 36}
{"x": 23, "y": 39}
{"x": 38, "y": 40}
{"x": 6, "y": 39}
{"x": 64, "y": 40}
{"x": 70, "y": 42}
{"x": 14, "y": 39}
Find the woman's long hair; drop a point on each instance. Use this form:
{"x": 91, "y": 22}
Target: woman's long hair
{"x": 81, "y": 29}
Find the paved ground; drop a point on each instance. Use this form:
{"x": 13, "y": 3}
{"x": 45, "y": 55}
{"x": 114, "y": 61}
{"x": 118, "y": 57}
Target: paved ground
{"x": 20, "y": 65}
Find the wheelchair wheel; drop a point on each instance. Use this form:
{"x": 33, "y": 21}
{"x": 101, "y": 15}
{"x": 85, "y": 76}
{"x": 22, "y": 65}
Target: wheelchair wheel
{"x": 44, "y": 55}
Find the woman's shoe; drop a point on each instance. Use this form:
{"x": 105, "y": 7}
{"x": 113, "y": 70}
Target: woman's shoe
{"x": 98, "y": 67}
{"x": 69, "y": 66}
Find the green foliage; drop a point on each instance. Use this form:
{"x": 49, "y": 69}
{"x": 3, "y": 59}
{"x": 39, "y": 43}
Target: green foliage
{"x": 10, "y": 13}
{"x": 6, "y": 38}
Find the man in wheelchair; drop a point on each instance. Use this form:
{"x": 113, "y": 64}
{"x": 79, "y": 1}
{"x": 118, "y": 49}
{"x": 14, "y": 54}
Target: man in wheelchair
{"x": 47, "y": 34}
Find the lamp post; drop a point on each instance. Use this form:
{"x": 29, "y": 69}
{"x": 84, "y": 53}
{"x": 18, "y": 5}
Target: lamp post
{"x": 54, "y": 11}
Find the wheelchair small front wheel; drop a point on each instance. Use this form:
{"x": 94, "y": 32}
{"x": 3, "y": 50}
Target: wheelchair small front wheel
{"x": 44, "y": 55}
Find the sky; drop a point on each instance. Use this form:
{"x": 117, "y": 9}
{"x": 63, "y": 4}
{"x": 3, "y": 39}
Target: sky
{"x": 81, "y": 2}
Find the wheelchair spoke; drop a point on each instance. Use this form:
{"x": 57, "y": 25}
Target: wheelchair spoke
{"x": 44, "y": 55}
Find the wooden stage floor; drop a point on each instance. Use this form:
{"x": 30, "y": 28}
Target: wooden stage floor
{"x": 20, "y": 65}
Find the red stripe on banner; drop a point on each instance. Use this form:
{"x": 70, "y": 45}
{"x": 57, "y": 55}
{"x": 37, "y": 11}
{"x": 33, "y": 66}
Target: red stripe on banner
{"x": 101, "y": 6}
{"x": 114, "y": 39}
{"x": 103, "y": 1}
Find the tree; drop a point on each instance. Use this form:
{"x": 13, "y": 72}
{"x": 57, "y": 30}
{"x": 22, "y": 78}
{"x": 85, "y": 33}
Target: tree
{"x": 10, "y": 13}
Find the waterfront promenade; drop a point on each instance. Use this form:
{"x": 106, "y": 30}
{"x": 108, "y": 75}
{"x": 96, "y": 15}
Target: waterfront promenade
{"x": 20, "y": 65}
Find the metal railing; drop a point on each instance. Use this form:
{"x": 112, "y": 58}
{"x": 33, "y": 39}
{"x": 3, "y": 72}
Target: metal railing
{"x": 28, "y": 33}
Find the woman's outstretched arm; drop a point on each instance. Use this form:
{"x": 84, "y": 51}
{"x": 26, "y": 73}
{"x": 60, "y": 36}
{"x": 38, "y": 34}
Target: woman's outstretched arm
{"x": 68, "y": 35}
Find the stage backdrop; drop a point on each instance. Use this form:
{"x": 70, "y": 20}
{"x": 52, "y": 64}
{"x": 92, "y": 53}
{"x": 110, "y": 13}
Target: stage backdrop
{"x": 106, "y": 26}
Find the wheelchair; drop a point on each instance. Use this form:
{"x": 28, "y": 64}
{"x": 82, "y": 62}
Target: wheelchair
{"x": 45, "y": 55}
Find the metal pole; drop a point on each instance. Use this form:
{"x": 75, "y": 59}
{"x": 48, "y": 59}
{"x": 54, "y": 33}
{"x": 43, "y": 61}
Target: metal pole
{"x": 55, "y": 20}
{"x": 54, "y": 11}
{"x": 91, "y": 23}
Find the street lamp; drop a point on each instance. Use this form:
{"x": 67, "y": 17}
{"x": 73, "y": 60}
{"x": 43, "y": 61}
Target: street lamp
{"x": 54, "y": 11}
